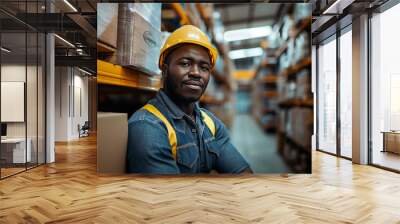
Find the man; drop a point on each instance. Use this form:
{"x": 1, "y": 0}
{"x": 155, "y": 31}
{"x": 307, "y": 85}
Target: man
{"x": 171, "y": 134}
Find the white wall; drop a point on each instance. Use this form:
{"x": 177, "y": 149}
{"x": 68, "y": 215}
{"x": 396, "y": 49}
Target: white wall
{"x": 82, "y": 83}
{"x": 70, "y": 83}
{"x": 17, "y": 72}
{"x": 33, "y": 126}
{"x": 13, "y": 73}
{"x": 62, "y": 80}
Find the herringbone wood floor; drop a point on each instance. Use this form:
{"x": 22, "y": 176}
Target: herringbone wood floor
{"x": 70, "y": 191}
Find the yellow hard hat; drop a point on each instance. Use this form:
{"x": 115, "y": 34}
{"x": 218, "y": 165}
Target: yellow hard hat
{"x": 191, "y": 35}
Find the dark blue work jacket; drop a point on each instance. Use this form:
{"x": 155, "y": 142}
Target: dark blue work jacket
{"x": 198, "y": 151}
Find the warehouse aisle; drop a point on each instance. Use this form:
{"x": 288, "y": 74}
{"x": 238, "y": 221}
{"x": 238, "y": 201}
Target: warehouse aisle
{"x": 257, "y": 147}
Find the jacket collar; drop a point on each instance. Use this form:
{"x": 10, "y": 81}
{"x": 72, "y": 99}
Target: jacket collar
{"x": 174, "y": 110}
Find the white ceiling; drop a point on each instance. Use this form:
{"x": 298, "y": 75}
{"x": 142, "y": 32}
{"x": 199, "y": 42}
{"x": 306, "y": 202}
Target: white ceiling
{"x": 235, "y": 16}
{"x": 58, "y": 5}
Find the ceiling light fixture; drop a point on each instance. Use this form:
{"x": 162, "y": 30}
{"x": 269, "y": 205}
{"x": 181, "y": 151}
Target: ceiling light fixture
{"x": 70, "y": 5}
{"x": 337, "y": 7}
{"x": 5, "y": 49}
{"x": 65, "y": 41}
{"x": 245, "y": 53}
{"x": 248, "y": 33}
{"x": 86, "y": 72}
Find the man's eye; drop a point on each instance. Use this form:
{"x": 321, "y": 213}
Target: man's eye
{"x": 185, "y": 64}
{"x": 205, "y": 69}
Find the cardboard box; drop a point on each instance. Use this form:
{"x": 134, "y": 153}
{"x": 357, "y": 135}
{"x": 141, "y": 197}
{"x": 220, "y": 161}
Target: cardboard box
{"x": 112, "y": 140}
{"x": 139, "y": 42}
{"x": 151, "y": 12}
{"x": 303, "y": 126}
{"x": 303, "y": 85}
{"x": 107, "y": 23}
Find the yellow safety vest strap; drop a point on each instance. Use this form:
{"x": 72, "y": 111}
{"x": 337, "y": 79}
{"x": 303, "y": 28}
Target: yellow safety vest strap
{"x": 171, "y": 132}
{"x": 209, "y": 122}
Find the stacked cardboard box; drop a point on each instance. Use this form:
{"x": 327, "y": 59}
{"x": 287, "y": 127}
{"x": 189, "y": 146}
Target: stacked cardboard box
{"x": 302, "y": 11}
{"x": 281, "y": 87}
{"x": 151, "y": 12}
{"x": 107, "y": 23}
{"x": 300, "y": 51}
{"x": 164, "y": 37}
{"x": 139, "y": 36}
{"x": 302, "y": 125}
{"x": 303, "y": 85}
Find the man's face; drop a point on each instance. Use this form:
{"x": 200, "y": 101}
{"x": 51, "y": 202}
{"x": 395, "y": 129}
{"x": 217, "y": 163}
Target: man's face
{"x": 188, "y": 72}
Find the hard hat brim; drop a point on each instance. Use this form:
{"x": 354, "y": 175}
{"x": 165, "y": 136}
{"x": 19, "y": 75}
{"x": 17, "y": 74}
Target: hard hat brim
{"x": 212, "y": 51}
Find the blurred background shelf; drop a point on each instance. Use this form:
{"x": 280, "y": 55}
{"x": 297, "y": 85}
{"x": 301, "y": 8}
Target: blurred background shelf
{"x": 281, "y": 50}
{"x": 294, "y": 69}
{"x": 184, "y": 19}
{"x": 302, "y": 25}
{"x": 289, "y": 103}
{"x": 116, "y": 75}
{"x": 205, "y": 99}
{"x": 270, "y": 94}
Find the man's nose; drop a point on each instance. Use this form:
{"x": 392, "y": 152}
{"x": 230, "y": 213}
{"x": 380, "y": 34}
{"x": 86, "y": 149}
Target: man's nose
{"x": 194, "y": 70}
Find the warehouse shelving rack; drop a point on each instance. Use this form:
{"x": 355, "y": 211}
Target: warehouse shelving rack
{"x": 111, "y": 74}
{"x": 265, "y": 92}
{"x": 295, "y": 151}
{"x": 297, "y": 154}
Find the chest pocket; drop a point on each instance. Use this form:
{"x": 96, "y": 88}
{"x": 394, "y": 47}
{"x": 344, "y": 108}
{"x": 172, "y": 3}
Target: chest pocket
{"x": 171, "y": 131}
{"x": 187, "y": 156}
{"x": 213, "y": 147}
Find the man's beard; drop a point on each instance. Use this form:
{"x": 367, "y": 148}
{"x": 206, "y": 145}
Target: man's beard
{"x": 171, "y": 88}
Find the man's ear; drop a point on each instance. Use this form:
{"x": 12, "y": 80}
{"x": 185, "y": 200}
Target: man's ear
{"x": 164, "y": 73}
{"x": 164, "y": 70}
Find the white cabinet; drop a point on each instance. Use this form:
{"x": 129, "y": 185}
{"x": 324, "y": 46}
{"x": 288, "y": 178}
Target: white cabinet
{"x": 19, "y": 155}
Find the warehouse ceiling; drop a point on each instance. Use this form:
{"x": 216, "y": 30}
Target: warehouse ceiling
{"x": 73, "y": 20}
{"x": 235, "y": 16}
{"x": 239, "y": 16}
{"x": 245, "y": 15}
